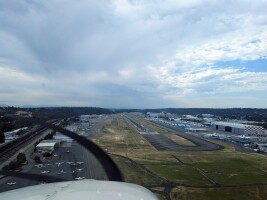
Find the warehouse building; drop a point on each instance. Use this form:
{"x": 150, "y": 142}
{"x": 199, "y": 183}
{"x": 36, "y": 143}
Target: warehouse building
{"x": 243, "y": 129}
{"x": 46, "y": 146}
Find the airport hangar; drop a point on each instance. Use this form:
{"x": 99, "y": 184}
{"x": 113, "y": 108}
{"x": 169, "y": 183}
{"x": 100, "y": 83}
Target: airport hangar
{"x": 236, "y": 128}
{"x": 48, "y": 146}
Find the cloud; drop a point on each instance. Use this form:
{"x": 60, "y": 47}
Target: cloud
{"x": 129, "y": 53}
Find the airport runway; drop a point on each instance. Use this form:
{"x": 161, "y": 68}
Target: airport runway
{"x": 160, "y": 142}
{"x": 201, "y": 144}
{"x": 137, "y": 126}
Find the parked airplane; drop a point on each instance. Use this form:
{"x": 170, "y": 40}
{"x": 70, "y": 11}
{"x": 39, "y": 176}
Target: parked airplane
{"x": 62, "y": 172}
{"x": 79, "y": 178}
{"x": 74, "y": 164}
{"x": 11, "y": 183}
{"x": 59, "y": 163}
{"x": 44, "y": 172}
{"x": 113, "y": 189}
{"x": 39, "y": 165}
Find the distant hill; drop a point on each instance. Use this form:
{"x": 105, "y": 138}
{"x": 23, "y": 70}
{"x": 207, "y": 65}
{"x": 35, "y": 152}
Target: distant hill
{"x": 47, "y": 113}
{"x": 12, "y": 117}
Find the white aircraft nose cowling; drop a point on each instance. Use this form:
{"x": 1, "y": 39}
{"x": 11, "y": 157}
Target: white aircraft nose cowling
{"x": 82, "y": 190}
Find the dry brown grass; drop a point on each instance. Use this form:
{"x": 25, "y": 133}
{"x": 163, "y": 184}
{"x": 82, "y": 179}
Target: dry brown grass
{"x": 179, "y": 140}
{"x": 124, "y": 140}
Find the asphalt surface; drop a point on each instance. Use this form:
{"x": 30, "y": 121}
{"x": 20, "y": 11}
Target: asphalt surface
{"x": 160, "y": 142}
{"x": 68, "y": 166}
{"x": 114, "y": 121}
{"x": 135, "y": 124}
{"x": 200, "y": 144}
{"x": 77, "y": 163}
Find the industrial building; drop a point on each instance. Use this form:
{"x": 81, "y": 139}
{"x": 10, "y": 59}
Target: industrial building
{"x": 46, "y": 146}
{"x": 243, "y": 129}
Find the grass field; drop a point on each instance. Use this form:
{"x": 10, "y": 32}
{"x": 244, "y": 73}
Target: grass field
{"x": 226, "y": 167}
{"x": 238, "y": 193}
{"x": 134, "y": 174}
{"x": 179, "y": 140}
{"x": 179, "y": 174}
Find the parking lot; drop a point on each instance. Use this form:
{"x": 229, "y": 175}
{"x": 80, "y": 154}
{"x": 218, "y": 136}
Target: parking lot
{"x": 69, "y": 161}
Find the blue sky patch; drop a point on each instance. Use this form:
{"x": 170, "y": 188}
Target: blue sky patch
{"x": 259, "y": 65}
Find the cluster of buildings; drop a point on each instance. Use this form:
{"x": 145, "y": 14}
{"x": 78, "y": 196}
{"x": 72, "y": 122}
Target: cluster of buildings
{"x": 211, "y": 120}
{"x": 159, "y": 115}
{"x": 237, "y": 128}
{"x": 12, "y": 135}
{"x": 250, "y": 136}
{"x": 238, "y": 132}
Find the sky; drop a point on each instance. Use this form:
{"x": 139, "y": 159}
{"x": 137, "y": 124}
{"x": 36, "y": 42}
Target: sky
{"x": 134, "y": 54}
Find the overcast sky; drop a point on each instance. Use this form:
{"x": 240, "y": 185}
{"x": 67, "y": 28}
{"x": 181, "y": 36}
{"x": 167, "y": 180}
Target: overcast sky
{"x": 134, "y": 54}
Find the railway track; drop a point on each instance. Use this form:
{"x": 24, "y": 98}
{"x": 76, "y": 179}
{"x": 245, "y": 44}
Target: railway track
{"x": 9, "y": 149}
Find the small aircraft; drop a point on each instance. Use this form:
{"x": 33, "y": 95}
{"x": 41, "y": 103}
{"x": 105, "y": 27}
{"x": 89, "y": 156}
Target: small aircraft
{"x": 11, "y": 183}
{"x": 59, "y": 163}
{"x": 74, "y": 164}
{"x": 39, "y": 165}
{"x": 62, "y": 172}
{"x": 44, "y": 172}
{"x": 244, "y": 137}
{"x": 79, "y": 178}
{"x": 84, "y": 188}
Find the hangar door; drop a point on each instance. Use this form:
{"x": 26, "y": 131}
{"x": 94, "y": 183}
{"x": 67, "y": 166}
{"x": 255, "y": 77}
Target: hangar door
{"x": 228, "y": 129}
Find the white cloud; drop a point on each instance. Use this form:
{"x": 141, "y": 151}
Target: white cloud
{"x": 194, "y": 70}
{"x": 211, "y": 80}
{"x": 167, "y": 50}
